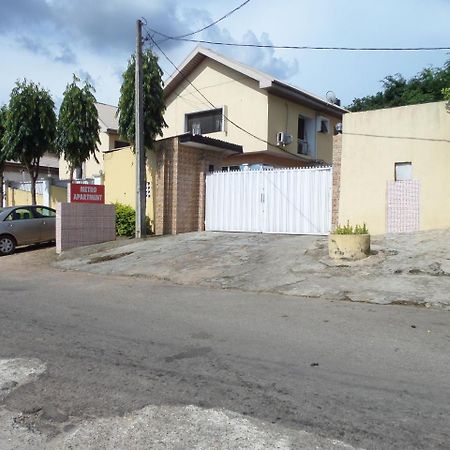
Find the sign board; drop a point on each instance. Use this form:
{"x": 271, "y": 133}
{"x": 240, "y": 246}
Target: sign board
{"x": 87, "y": 193}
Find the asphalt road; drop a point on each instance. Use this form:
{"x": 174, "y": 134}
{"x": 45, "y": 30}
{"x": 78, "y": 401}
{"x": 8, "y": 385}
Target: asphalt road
{"x": 371, "y": 376}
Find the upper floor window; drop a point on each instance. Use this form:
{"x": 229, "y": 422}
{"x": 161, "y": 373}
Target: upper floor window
{"x": 205, "y": 122}
{"x": 120, "y": 144}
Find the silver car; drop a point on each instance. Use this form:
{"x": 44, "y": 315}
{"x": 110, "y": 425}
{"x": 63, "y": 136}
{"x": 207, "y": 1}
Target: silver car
{"x": 24, "y": 225}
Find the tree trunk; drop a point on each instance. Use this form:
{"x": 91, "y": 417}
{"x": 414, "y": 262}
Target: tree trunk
{"x": 33, "y": 189}
{"x": 33, "y": 170}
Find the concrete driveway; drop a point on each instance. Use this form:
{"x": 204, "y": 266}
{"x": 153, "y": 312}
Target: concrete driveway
{"x": 403, "y": 269}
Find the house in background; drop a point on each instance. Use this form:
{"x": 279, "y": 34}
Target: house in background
{"x": 109, "y": 140}
{"x": 391, "y": 169}
{"x": 48, "y": 168}
{"x": 277, "y": 124}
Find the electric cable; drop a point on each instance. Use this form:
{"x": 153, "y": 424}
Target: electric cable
{"x": 228, "y": 14}
{"x": 302, "y": 47}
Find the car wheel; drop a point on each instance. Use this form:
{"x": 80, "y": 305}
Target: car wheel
{"x": 7, "y": 245}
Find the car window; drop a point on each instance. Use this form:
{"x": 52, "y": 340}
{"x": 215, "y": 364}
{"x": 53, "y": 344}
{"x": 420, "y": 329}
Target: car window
{"x": 42, "y": 211}
{"x": 20, "y": 214}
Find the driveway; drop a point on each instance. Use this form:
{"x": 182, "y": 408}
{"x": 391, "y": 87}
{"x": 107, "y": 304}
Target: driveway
{"x": 403, "y": 269}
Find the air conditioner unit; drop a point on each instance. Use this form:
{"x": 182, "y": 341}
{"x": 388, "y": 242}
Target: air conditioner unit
{"x": 284, "y": 138}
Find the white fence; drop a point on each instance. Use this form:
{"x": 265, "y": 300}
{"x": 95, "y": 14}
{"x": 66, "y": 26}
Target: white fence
{"x": 292, "y": 201}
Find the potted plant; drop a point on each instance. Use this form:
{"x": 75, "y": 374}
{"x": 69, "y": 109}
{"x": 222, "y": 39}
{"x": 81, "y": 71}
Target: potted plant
{"x": 348, "y": 242}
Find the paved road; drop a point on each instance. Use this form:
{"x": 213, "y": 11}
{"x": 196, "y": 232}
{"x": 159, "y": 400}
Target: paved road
{"x": 372, "y": 376}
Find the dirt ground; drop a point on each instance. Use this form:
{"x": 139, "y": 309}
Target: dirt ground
{"x": 402, "y": 269}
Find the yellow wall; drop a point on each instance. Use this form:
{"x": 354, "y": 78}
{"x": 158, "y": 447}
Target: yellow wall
{"x": 91, "y": 167}
{"x": 245, "y": 103}
{"x": 16, "y": 197}
{"x": 120, "y": 179}
{"x": 419, "y": 134}
{"x": 283, "y": 116}
{"x": 57, "y": 195}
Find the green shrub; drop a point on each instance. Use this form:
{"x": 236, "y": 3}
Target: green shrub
{"x": 348, "y": 229}
{"x": 125, "y": 220}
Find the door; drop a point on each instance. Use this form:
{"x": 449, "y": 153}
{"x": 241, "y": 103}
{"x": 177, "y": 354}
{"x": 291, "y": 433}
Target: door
{"x": 48, "y": 222}
{"x": 24, "y": 226}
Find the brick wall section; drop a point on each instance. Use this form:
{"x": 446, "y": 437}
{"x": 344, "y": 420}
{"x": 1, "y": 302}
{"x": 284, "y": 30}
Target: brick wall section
{"x": 79, "y": 224}
{"x": 180, "y": 186}
{"x": 337, "y": 156}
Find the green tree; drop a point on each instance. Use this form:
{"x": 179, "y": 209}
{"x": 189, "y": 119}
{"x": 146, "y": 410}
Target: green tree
{"x": 154, "y": 105}
{"x": 77, "y": 128}
{"x": 30, "y": 128}
{"x": 426, "y": 86}
{"x": 3, "y": 158}
{"x": 446, "y": 93}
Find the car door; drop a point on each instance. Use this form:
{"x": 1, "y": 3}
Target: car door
{"x": 24, "y": 226}
{"x": 48, "y": 222}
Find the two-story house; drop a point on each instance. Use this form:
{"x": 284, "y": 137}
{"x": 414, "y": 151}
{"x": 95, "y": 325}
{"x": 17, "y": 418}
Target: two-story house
{"x": 109, "y": 139}
{"x": 277, "y": 124}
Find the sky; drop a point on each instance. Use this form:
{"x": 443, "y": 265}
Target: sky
{"x": 47, "y": 41}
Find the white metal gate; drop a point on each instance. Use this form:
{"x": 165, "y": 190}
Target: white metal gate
{"x": 293, "y": 201}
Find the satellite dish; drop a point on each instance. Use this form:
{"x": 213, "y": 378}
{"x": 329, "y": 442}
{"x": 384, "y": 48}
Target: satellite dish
{"x": 331, "y": 97}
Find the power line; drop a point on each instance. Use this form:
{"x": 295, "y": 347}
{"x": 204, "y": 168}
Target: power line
{"x": 210, "y": 103}
{"x": 303, "y": 47}
{"x": 228, "y": 14}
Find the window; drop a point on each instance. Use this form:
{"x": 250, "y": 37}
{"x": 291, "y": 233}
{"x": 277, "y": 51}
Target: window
{"x": 231, "y": 168}
{"x": 120, "y": 144}
{"x": 403, "y": 171}
{"x": 148, "y": 189}
{"x": 323, "y": 125}
{"x": 20, "y": 214}
{"x": 302, "y": 141}
{"x": 42, "y": 211}
{"x": 205, "y": 122}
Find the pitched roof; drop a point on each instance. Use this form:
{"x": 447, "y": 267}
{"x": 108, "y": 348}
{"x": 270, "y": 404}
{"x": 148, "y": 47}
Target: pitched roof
{"x": 107, "y": 117}
{"x": 266, "y": 81}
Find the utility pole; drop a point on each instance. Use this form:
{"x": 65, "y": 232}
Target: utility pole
{"x": 139, "y": 138}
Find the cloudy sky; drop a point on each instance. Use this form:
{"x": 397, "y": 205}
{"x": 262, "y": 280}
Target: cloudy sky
{"x": 48, "y": 40}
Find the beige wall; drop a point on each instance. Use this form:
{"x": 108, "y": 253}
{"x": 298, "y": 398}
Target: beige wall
{"x": 374, "y": 141}
{"x": 91, "y": 167}
{"x": 57, "y": 194}
{"x": 283, "y": 116}
{"x": 120, "y": 179}
{"x": 17, "y": 197}
{"x": 245, "y": 104}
